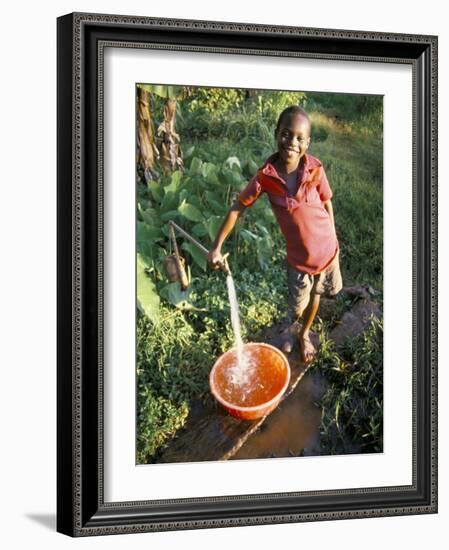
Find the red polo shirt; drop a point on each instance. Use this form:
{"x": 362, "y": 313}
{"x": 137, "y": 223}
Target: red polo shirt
{"x": 309, "y": 235}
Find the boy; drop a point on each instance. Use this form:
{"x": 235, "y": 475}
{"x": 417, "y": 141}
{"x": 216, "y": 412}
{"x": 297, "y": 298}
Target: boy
{"x": 300, "y": 197}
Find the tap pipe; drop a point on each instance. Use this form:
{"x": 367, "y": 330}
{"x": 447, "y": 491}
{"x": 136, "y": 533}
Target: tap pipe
{"x": 224, "y": 264}
{"x": 190, "y": 238}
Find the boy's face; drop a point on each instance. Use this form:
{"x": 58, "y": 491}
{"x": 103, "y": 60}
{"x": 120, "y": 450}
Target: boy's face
{"x": 293, "y": 138}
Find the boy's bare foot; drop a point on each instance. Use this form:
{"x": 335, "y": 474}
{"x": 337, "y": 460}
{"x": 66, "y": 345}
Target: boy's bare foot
{"x": 306, "y": 347}
{"x": 288, "y": 338}
{"x": 287, "y": 346}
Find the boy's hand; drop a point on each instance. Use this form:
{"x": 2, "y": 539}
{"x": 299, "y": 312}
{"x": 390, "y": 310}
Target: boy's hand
{"x": 215, "y": 259}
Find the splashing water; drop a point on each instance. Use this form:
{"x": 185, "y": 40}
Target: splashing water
{"x": 240, "y": 372}
{"x": 235, "y": 317}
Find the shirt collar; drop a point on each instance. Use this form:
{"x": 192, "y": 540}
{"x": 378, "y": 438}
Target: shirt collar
{"x": 310, "y": 163}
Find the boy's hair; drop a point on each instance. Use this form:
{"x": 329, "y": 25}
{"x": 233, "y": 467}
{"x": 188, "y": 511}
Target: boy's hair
{"x": 292, "y": 110}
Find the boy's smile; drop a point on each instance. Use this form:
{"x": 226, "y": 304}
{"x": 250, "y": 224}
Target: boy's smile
{"x": 293, "y": 138}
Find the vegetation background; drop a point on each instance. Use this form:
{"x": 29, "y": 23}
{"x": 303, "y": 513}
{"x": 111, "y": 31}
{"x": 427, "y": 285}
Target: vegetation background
{"x": 209, "y": 142}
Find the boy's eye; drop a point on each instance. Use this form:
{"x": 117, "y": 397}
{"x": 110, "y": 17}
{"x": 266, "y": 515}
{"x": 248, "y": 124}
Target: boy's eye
{"x": 300, "y": 139}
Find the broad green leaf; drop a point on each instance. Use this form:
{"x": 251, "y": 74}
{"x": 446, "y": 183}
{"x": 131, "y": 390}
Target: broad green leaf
{"x": 199, "y": 230}
{"x": 233, "y": 163}
{"x": 147, "y": 236}
{"x": 248, "y": 235}
{"x": 156, "y": 190}
{"x": 189, "y": 152}
{"x": 165, "y": 230}
{"x": 190, "y": 212}
{"x": 261, "y": 226}
{"x": 213, "y": 225}
{"x": 144, "y": 196}
{"x": 189, "y": 187}
{"x": 170, "y": 215}
{"x": 213, "y": 200}
{"x": 177, "y": 297}
{"x": 209, "y": 172}
{"x": 197, "y": 255}
{"x": 175, "y": 183}
{"x": 232, "y": 178}
{"x": 195, "y": 166}
{"x": 151, "y": 217}
{"x": 183, "y": 195}
{"x": 195, "y": 201}
{"x": 173, "y": 294}
{"x": 188, "y": 182}
{"x": 147, "y": 297}
{"x": 148, "y": 233}
{"x": 252, "y": 166}
{"x": 169, "y": 202}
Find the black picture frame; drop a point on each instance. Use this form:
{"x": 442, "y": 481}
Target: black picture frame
{"x": 81, "y": 510}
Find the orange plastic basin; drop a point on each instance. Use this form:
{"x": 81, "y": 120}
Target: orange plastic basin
{"x": 266, "y": 378}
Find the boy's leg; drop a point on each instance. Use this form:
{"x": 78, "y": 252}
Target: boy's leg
{"x": 328, "y": 282}
{"x": 305, "y": 345}
{"x": 300, "y": 285}
{"x": 304, "y": 299}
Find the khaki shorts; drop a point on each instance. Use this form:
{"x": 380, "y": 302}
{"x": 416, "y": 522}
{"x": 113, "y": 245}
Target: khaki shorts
{"x": 301, "y": 285}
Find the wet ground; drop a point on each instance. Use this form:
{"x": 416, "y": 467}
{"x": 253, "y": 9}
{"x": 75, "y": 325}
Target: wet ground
{"x": 291, "y": 428}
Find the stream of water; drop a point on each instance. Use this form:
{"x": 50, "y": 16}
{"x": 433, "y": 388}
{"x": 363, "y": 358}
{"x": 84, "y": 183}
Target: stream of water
{"x": 240, "y": 372}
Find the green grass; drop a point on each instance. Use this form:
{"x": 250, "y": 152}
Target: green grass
{"x": 352, "y": 404}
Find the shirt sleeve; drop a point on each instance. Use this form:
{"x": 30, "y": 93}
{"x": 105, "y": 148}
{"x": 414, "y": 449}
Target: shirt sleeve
{"x": 323, "y": 187}
{"x": 251, "y": 192}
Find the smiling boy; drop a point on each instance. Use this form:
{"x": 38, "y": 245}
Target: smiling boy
{"x": 300, "y": 196}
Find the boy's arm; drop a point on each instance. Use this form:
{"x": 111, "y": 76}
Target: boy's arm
{"x": 214, "y": 258}
{"x": 328, "y": 206}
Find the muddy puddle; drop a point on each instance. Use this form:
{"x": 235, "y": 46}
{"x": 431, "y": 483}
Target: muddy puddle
{"x": 290, "y": 430}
